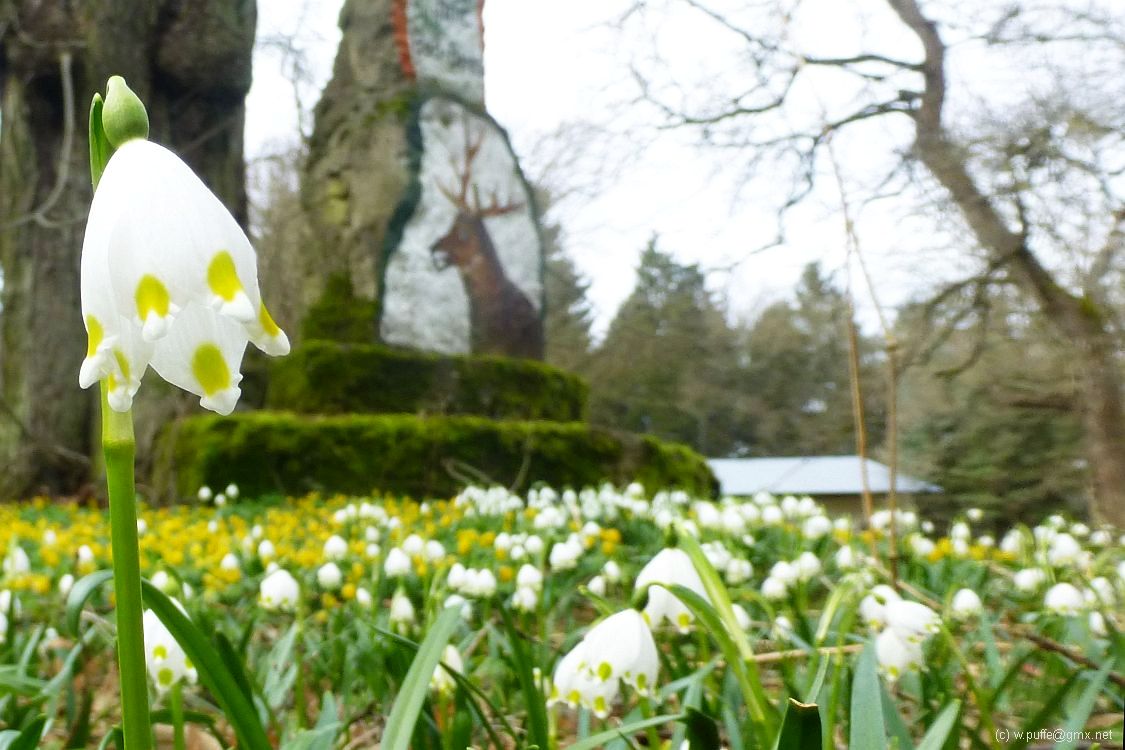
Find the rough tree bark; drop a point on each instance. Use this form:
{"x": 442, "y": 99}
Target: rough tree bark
{"x": 1078, "y": 319}
{"x": 190, "y": 62}
{"x": 357, "y": 166}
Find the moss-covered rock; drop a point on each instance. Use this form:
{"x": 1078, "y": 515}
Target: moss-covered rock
{"x": 324, "y": 377}
{"x": 340, "y": 315}
{"x": 271, "y": 452}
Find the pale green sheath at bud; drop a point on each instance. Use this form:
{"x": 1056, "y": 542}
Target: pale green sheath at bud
{"x": 123, "y": 114}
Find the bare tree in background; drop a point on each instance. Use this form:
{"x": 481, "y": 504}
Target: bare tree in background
{"x": 1032, "y": 162}
{"x": 190, "y": 63}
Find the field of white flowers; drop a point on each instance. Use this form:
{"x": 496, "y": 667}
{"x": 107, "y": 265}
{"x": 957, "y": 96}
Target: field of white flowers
{"x": 562, "y": 619}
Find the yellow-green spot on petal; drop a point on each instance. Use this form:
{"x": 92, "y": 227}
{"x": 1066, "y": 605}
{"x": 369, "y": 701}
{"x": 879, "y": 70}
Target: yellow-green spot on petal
{"x": 94, "y": 335}
{"x": 222, "y": 277}
{"x": 122, "y": 363}
{"x": 152, "y": 297}
{"x": 605, "y": 671}
{"x": 160, "y": 653}
{"x": 268, "y": 325}
{"x": 210, "y": 369}
{"x": 165, "y": 677}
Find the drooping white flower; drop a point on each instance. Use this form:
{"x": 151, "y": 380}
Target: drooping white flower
{"x": 526, "y": 599}
{"x": 617, "y": 650}
{"x": 741, "y": 616}
{"x": 17, "y": 561}
{"x": 1097, "y": 624}
{"x": 397, "y": 563}
{"x": 363, "y": 598}
{"x": 774, "y": 588}
{"x": 873, "y": 606}
{"x": 1064, "y": 550}
{"x": 895, "y": 655}
{"x": 204, "y": 494}
{"x": 402, "y": 611}
{"x": 167, "y": 663}
{"x": 279, "y": 591}
{"x": 335, "y": 548}
{"x": 1064, "y": 599}
{"x": 529, "y": 576}
{"x": 564, "y": 555}
{"x": 66, "y": 583}
{"x": 413, "y": 545}
{"x": 966, "y": 603}
{"x": 329, "y": 577}
{"x": 266, "y": 550}
{"x": 738, "y": 571}
{"x": 911, "y": 621}
{"x": 807, "y": 565}
{"x": 442, "y": 682}
{"x": 168, "y": 279}
{"x": 846, "y": 558}
{"x": 433, "y": 551}
{"x": 1100, "y": 593}
{"x": 230, "y": 562}
{"x": 596, "y": 586}
{"x": 1029, "y": 579}
{"x": 816, "y": 526}
{"x": 670, "y": 566}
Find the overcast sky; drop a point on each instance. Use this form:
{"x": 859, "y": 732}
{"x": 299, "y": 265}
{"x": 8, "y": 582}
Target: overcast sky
{"x": 561, "y": 65}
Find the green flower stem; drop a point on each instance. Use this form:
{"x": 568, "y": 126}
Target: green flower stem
{"x": 176, "y": 704}
{"x": 646, "y": 711}
{"x": 119, "y": 448}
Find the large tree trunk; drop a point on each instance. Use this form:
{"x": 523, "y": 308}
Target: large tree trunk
{"x": 1077, "y": 319}
{"x": 191, "y": 65}
{"x": 357, "y": 166}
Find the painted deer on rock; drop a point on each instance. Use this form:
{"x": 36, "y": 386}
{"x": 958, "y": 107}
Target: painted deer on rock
{"x": 502, "y": 319}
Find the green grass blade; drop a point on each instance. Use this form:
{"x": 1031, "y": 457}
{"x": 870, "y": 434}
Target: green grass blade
{"x": 215, "y": 675}
{"x": 868, "y": 730}
{"x": 538, "y": 730}
{"x": 939, "y": 731}
{"x": 800, "y": 729}
{"x": 404, "y": 713}
{"x": 761, "y": 710}
{"x": 1080, "y": 714}
{"x": 79, "y": 594}
{"x": 29, "y": 737}
{"x": 595, "y": 741}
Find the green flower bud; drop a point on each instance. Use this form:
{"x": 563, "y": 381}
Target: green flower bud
{"x": 123, "y": 114}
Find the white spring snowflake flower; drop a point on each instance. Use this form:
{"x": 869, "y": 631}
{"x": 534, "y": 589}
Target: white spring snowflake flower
{"x": 168, "y": 279}
{"x": 619, "y": 649}
{"x": 442, "y": 682}
{"x": 279, "y": 591}
{"x": 397, "y": 563}
{"x": 966, "y": 604}
{"x": 167, "y": 663}
{"x": 529, "y": 576}
{"x": 1064, "y": 599}
{"x": 896, "y": 656}
{"x": 911, "y": 621}
{"x": 873, "y": 606}
{"x": 402, "y": 615}
{"x": 329, "y": 577}
{"x": 670, "y": 566}
{"x": 335, "y": 548}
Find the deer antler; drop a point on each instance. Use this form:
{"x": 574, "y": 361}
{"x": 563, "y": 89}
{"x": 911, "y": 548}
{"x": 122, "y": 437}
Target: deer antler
{"x": 460, "y": 197}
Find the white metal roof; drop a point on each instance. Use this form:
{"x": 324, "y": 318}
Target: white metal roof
{"x": 809, "y": 475}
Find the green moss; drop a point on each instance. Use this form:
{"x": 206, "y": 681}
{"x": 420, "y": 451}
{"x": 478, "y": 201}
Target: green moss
{"x": 322, "y": 377}
{"x": 339, "y": 315}
{"x": 269, "y": 452}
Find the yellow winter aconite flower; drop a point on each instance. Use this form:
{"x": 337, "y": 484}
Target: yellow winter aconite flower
{"x": 169, "y": 279}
